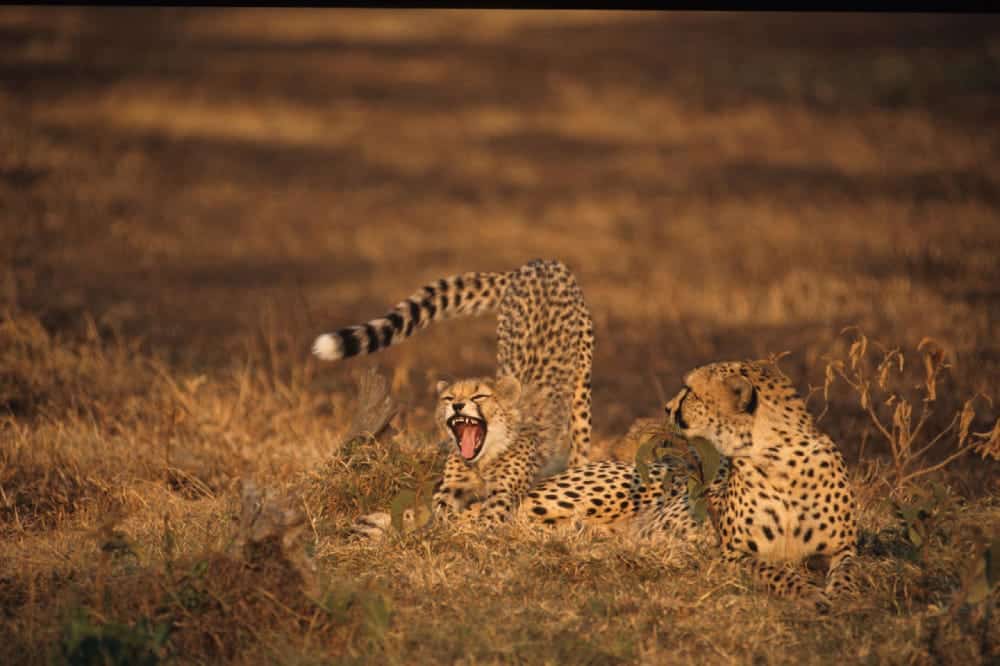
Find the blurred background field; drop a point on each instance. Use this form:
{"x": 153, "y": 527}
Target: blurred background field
{"x": 187, "y": 197}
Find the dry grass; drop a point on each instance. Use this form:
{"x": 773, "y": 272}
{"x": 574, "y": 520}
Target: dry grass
{"x": 187, "y": 198}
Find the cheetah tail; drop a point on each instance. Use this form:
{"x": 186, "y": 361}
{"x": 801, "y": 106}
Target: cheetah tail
{"x": 464, "y": 295}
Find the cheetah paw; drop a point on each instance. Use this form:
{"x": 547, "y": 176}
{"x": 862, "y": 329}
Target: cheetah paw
{"x": 819, "y": 601}
{"x": 375, "y": 527}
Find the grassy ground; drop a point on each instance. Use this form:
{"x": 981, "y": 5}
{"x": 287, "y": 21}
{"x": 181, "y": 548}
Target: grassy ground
{"x": 188, "y": 197}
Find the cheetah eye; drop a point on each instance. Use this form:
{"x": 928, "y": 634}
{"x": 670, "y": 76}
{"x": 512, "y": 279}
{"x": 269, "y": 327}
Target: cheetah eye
{"x": 447, "y": 398}
{"x": 478, "y": 397}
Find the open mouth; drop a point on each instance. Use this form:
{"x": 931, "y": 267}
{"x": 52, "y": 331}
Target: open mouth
{"x": 469, "y": 433}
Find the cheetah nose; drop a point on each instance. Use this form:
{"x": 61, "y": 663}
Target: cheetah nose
{"x": 457, "y": 406}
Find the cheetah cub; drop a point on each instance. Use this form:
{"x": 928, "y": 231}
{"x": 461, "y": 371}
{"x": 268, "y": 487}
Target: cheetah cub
{"x": 498, "y": 453}
{"x": 545, "y": 337}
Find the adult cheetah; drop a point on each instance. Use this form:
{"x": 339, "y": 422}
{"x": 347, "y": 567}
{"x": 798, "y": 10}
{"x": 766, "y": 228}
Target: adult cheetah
{"x": 781, "y": 495}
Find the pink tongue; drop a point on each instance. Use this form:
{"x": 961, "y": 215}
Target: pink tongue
{"x": 468, "y": 442}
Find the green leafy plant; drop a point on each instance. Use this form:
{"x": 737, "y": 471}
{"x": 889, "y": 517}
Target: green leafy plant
{"x": 412, "y": 508}
{"x": 916, "y": 514}
{"x": 699, "y": 462}
{"x": 86, "y": 643}
{"x": 347, "y": 602}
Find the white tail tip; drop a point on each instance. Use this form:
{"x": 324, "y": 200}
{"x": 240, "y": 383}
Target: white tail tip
{"x": 327, "y": 347}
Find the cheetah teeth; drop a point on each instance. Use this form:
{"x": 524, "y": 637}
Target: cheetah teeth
{"x": 471, "y": 420}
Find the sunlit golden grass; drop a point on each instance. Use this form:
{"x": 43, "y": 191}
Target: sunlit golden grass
{"x": 188, "y": 198}
{"x": 133, "y": 495}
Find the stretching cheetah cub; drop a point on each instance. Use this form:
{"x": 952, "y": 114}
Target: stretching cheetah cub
{"x": 545, "y": 337}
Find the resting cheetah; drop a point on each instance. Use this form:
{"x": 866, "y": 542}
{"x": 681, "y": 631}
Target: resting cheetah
{"x": 498, "y": 452}
{"x": 782, "y": 494}
{"x": 544, "y": 333}
{"x": 788, "y": 496}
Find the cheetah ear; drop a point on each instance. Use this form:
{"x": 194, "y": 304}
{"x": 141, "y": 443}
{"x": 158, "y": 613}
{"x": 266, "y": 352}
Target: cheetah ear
{"x": 743, "y": 392}
{"x": 441, "y": 386}
{"x": 508, "y": 389}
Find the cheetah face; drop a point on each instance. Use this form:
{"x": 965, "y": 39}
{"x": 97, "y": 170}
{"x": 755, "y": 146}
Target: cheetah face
{"x": 478, "y": 414}
{"x": 718, "y": 403}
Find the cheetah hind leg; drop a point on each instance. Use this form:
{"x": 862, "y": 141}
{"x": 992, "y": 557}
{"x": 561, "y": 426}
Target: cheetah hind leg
{"x": 840, "y": 579}
{"x": 783, "y": 581}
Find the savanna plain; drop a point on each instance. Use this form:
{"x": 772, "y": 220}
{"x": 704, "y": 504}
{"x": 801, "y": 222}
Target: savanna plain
{"x": 188, "y": 197}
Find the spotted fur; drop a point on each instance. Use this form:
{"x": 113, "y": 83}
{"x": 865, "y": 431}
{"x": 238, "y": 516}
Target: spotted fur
{"x": 544, "y": 334}
{"x": 498, "y": 453}
{"x": 782, "y": 494}
{"x": 614, "y": 494}
{"x": 788, "y": 496}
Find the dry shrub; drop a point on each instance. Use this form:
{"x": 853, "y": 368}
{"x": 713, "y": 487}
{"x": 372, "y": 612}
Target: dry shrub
{"x": 953, "y": 546}
{"x": 374, "y": 462}
{"x": 888, "y": 389}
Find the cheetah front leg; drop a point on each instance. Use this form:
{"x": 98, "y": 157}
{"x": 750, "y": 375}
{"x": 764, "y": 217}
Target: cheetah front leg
{"x": 498, "y": 507}
{"x": 508, "y": 482}
{"x": 459, "y": 487}
{"x": 840, "y": 580}
{"x": 781, "y": 580}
